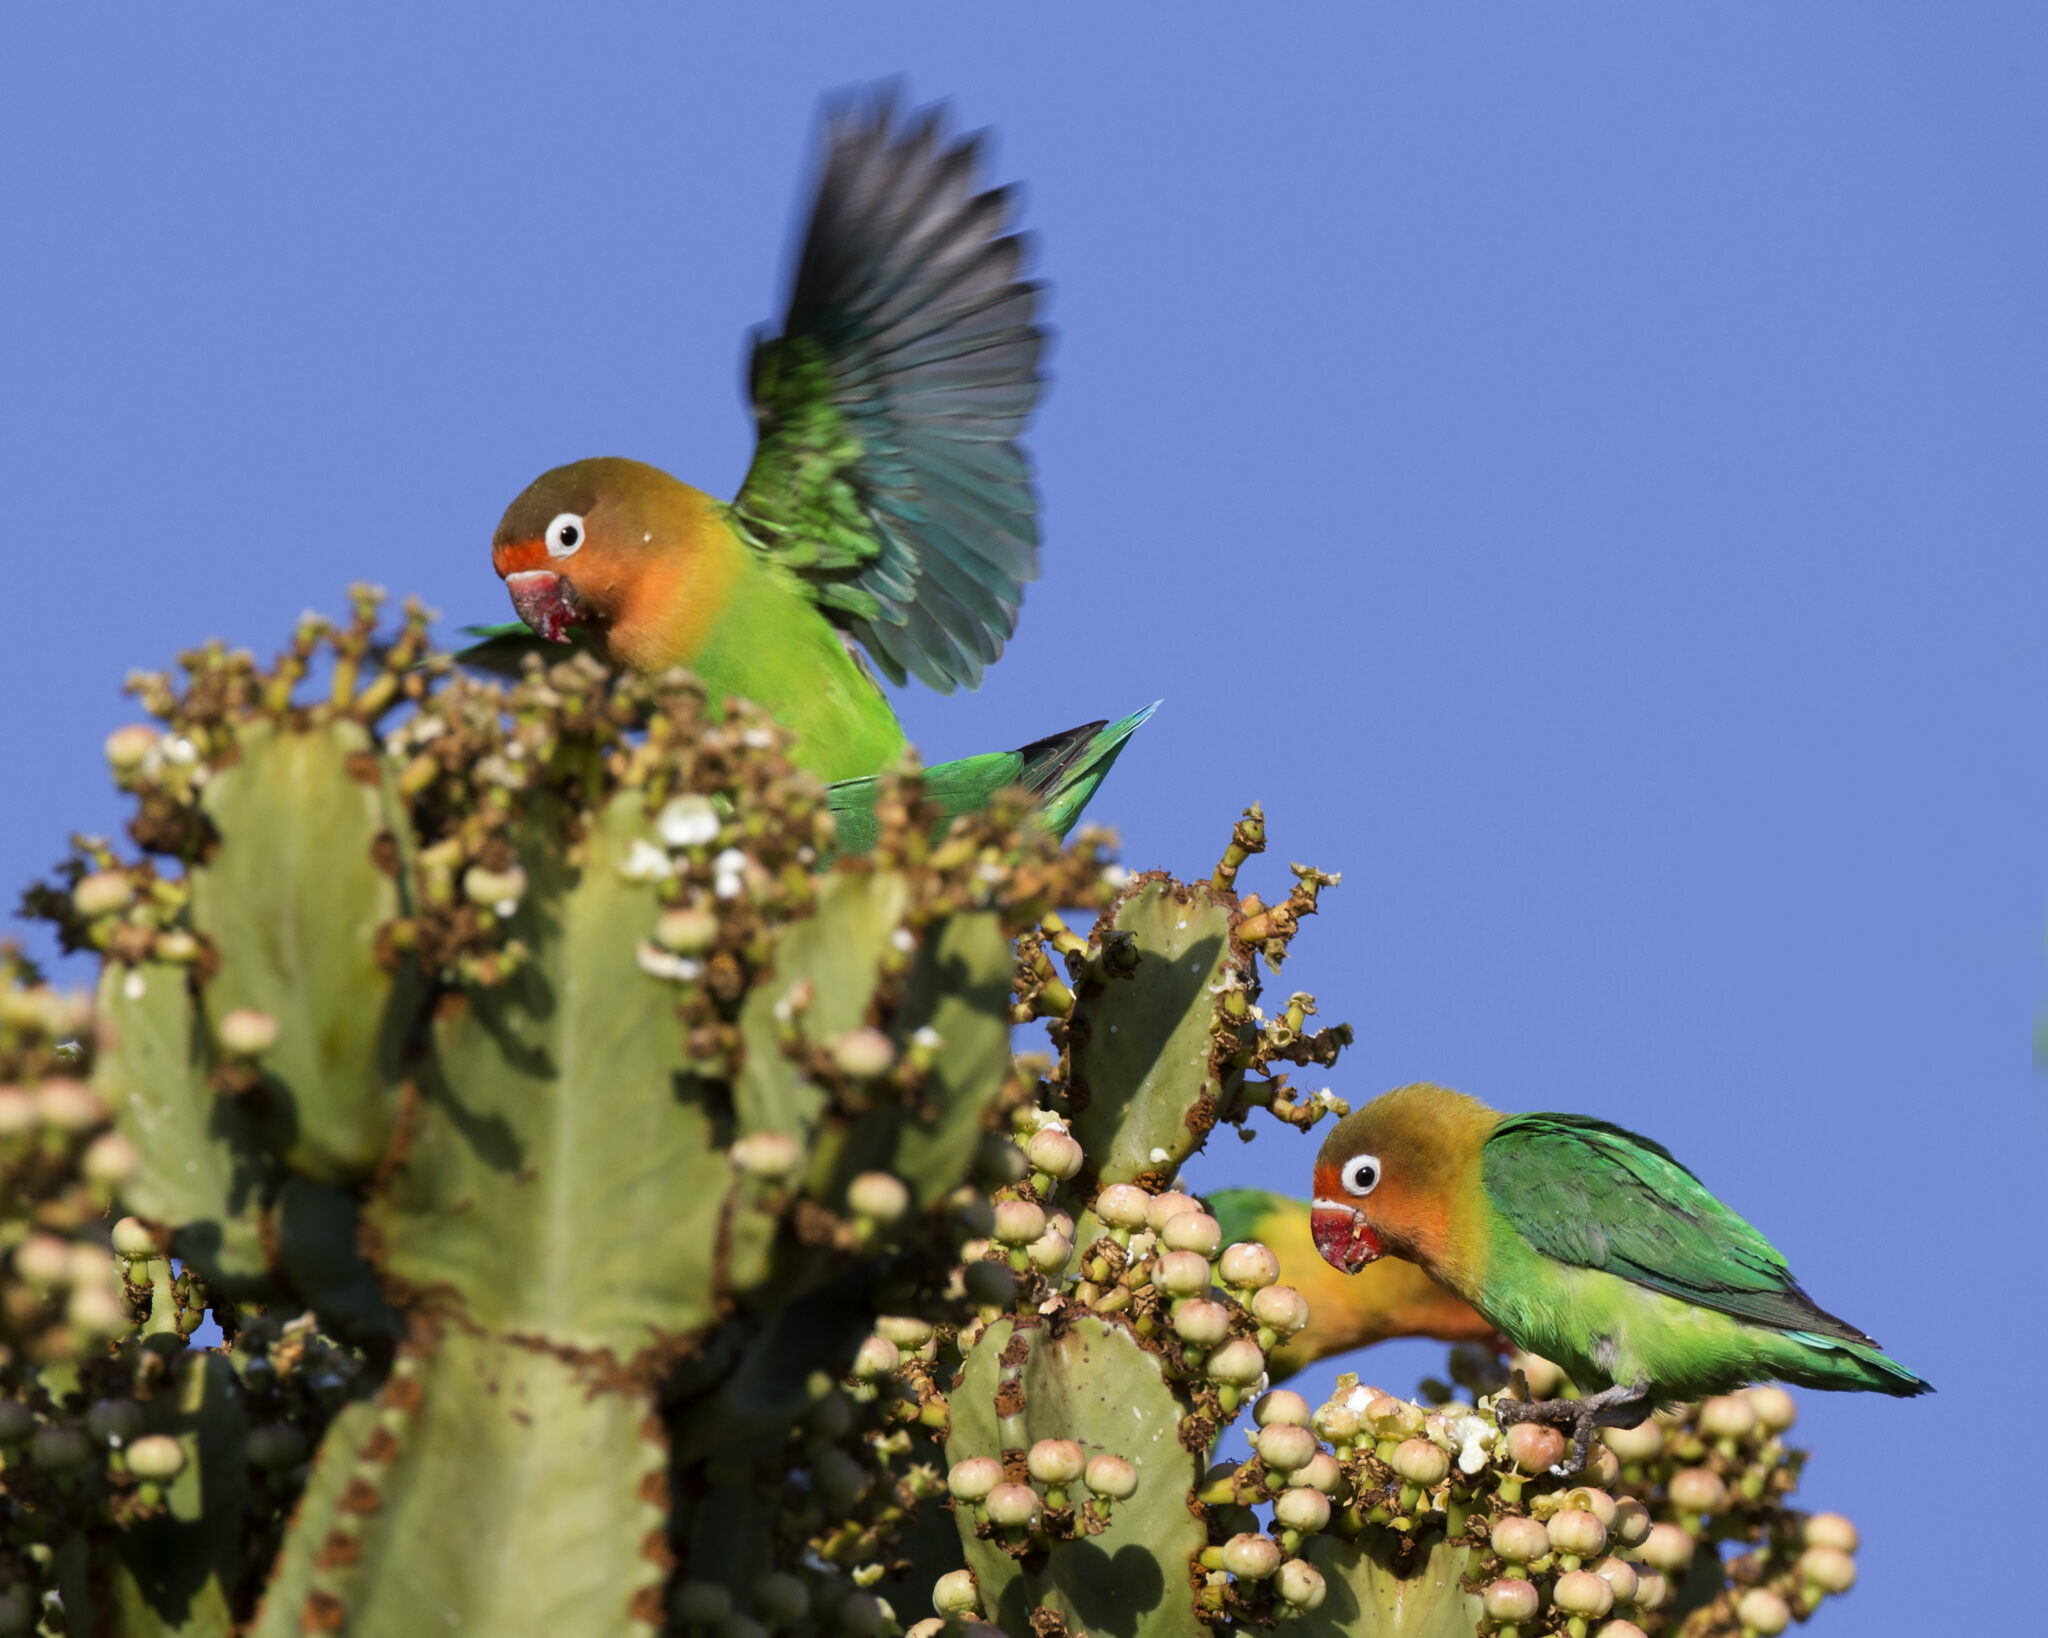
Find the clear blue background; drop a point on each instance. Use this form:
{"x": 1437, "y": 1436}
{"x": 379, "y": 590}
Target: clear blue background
{"x": 1581, "y": 467}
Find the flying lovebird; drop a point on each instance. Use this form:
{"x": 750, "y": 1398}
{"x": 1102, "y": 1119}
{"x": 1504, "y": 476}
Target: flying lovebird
{"x": 1587, "y": 1244}
{"x": 1390, "y": 1299}
{"x": 888, "y": 518}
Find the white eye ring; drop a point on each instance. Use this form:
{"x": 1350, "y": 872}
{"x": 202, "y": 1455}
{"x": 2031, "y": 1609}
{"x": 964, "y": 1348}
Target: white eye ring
{"x": 1361, "y": 1174}
{"x": 565, "y": 535}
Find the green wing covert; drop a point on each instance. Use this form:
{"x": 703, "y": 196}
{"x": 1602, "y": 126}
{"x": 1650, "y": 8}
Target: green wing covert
{"x": 1595, "y": 1195}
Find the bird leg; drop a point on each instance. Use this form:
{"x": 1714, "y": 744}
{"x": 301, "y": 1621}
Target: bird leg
{"x": 1622, "y": 1406}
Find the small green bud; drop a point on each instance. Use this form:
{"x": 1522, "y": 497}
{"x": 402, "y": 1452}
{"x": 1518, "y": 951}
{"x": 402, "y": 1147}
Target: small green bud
{"x": 1250, "y": 1557}
{"x": 499, "y": 890}
{"x": 17, "y": 1421}
{"x": 156, "y": 1457}
{"x": 1321, "y": 1474}
{"x": 863, "y": 1054}
{"x": 1019, "y": 1222}
{"x": 1055, "y": 1153}
{"x": 247, "y": 1033}
{"x": 1181, "y": 1273}
{"x": 1300, "y": 1584}
{"x": 1248, "y": 1266}
{"x": 767, "y": 1155}
{"x": 1619, "y": 1574}
{"x": 59, "y": 1449}
{"x": 1281, "y": 1405}
{"x": 1192, "y": 1231}
{"x": 1303, "y": 1509}
{"x": 1335, "y": 1421}
{"x": 128, "y": 748}
{"x": 1054, "y": 1461}
{"x": 1667, "y": 1548}
{"x": 1202, "y": 1322}
{"x": 1697, "y": 1490}
{"x": 116, "y": 1419}
{"x": 276, "y": 1447}
{"x": 1050, "y": 1252}
{"x": 781, "y": 1599}
{"x": 1015, "y": 1506}
{"x": 1597, "y": 1502}
{"x": 132, "y": 1238}
{"x": 701, "y": 1603}
{"x": 1510, "y": 1600}
{"x": 878, "y": 1196}
{"x": 955, "y": 1593}
{"x": 1822, "y": 1530}
{"x": 1577, "y": 1532}
{"x": 1581, "y": 1592}
{"x": 65, "y": 1105}
{"x": 1726, "y": 1416}
{"x": 102, "y": 893}
{"x": 1284, "y": 1447}
{"x": 1534, "y": 1448}
{"x": 904, "y": 1330}
{"x": 971, "y": 1479}
{"x": 1237, "y": 1362}
{"x": 878, "y": 1357}
{"x": 1776, "y": 1410}
{"x": 1636, "y": 1444}
{"x": 689, "y": 930}
{"x": 1420, "y": 1462}
{"x": 1161, "y": 1209}
{"x": 1519, "y": 1540}
{"x": 1763, "y": 1612}
{"x": 1124, "y": 1206}
{"x": 1828, "y": 1568}
{"x": 1111, "y": 1477}
{"x": 1631, "y": 1521}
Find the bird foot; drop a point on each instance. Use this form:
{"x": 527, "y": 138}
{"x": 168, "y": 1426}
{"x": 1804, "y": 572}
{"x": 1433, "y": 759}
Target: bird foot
{"x": 1572, "y": 1417}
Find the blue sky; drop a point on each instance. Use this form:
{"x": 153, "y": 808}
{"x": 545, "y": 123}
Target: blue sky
{"x": 1581, "y": 468}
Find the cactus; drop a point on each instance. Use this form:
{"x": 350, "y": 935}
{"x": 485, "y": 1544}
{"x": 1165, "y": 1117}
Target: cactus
{"x": 623, "y": 1213}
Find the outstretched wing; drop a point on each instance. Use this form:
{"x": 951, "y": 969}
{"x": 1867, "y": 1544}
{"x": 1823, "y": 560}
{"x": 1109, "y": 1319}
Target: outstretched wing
{"x": 888, "y": 473}
{"x": 1597, "y": 1196}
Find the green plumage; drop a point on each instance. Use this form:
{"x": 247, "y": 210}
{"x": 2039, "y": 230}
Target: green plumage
{"x": 1615, "y": 1261}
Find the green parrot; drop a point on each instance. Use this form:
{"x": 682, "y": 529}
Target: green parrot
{"x": 1392, "y": 1299}
{"x": 1586, "y": 1244}
{"x": 889, "y": 504}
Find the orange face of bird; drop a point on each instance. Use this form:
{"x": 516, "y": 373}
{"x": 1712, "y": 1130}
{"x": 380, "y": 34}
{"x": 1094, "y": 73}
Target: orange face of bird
{"x": 1389, "y": 1178}
{"x": 602, "y": 544}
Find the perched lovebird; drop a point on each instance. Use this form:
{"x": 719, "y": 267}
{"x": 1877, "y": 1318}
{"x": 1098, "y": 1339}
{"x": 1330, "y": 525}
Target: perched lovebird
{"x": 1588, "y": 1245}
{"x": 1392, "y": 1299}
{"x": 888, "y": 505}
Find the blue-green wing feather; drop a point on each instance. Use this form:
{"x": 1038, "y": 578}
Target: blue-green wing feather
{"x": 888, "y": 474}
{"x": 1595, "y": 1195}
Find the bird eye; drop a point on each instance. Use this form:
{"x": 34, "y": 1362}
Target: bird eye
{"x": 564, "y": 535}
{"x": 1361, "y": 1174}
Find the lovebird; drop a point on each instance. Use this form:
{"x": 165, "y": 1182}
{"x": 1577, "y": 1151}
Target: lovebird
{"x": 1391, "y": 1299}
{"x": 888, "y": 512}
{"x": 1587, "y": 1244}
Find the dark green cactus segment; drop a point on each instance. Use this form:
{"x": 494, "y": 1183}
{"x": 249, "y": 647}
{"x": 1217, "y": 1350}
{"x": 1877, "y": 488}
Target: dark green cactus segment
{"x": 318, "y": 1239}
{"x": 180, "y": 1571}
{"x": 1372, "y": 1587}
{"x": 206, "y": 1174}
{"x": 483, "y": 1444}
{"x": 292, "y": 900}
{"x": 1146, "y": 1073}
{"x": 1090, "y": 1382}
{"x": 562, "y": 1178}
{"x": 942, "y": 987}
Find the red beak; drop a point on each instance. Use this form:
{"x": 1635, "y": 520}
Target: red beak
{"x": 1344, "y": 1238}
{"x": 546, "y": 602}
